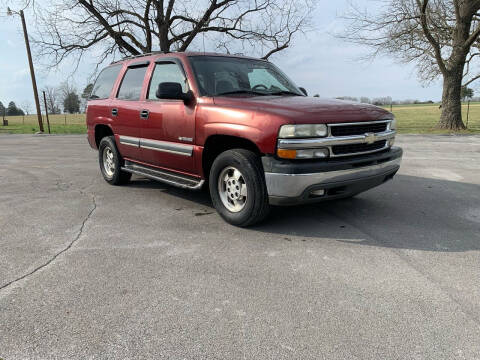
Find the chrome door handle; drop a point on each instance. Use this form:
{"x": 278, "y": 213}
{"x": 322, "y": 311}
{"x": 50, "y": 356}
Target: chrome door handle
{"x": 144, "y": 114}
{"x": 114, "y": 112}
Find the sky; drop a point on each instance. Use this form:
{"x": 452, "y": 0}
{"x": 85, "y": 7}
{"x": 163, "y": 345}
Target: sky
{"x": 318, "y": 61}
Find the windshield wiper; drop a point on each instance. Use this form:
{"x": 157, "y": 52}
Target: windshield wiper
{"x": 242, "y": 92}
{"x": 285, "y": 93}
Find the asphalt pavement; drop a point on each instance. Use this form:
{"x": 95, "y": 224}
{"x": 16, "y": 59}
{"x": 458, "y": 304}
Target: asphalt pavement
{"x": 148, "y": 271}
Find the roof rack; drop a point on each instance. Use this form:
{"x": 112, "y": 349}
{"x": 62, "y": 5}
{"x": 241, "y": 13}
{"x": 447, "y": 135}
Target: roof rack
{"x": 142, "y": 55}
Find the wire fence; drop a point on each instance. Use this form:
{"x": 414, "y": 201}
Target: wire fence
{"x": 59, "y": 123}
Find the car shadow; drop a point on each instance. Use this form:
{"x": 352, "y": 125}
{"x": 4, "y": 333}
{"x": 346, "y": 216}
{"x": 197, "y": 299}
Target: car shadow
{"x": 407, "y": 213}
{"x": 201, "y": 197}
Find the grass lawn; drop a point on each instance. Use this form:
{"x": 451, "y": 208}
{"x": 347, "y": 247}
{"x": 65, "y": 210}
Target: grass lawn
{"x": 421, "y": 119}
{"x": 59, "y": 124}
{"x": 412, "y": 119}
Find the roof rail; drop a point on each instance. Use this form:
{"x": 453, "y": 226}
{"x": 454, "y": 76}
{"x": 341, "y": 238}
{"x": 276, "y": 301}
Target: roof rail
{"x": 141, "y": 55}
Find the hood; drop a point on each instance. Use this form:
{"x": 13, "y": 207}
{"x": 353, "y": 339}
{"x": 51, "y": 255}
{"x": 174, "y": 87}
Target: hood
{"x": 302, "y": 109}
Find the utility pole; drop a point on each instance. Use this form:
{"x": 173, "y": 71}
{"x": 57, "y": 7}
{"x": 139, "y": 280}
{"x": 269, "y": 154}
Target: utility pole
{"x": 32, "y": 71}
{"x": 46, "y": 111}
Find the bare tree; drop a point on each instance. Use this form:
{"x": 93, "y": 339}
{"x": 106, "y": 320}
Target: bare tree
{"x": 27, "y": 107}
{"x": 52, "y": 96}
{"x": 439, "y": 36}
{"x": 72, "y": 28}
{"x": 69, "y": 97}
{"x": 66, "y": 88}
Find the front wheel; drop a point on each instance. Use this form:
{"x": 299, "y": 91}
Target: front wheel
{"x": 111, "y": 162}
{"x": 237, "y": 187}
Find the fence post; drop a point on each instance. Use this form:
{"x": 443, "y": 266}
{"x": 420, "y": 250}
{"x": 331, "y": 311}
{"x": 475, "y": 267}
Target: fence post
{"x": 65, "y": 118}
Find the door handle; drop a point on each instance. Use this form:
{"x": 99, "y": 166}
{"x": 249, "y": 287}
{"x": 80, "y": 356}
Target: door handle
{"x": 144, "y": 114}
{"x": 114, "y": 112}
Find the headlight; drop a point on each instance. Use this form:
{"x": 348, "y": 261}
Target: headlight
{"x": 303, "y": 131}
{"x": 393, "y": 124}
{"x": 320, "y": 153}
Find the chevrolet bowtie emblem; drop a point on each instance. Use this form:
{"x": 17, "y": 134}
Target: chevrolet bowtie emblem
{"x": 370, "y": 138}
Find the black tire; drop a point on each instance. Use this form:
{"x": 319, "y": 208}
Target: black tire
{"x": 115, "y": 176}
{"x": 256, "y": 206}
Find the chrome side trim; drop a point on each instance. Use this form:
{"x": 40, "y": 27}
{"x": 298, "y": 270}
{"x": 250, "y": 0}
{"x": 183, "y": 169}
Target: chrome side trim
{"x": 334, "y": 140}
{"x": 128, "y": 140}
{"x": 179, "y": 149}
{"x": 293, "y": 185}
{"x": 164, "y": 146}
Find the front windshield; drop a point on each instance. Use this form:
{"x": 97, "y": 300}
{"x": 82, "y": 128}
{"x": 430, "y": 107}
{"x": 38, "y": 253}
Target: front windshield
{"x": 221, "y": 75}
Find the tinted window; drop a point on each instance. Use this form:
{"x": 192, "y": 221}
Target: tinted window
{"x": 132, "y": 82}
{"x": 104, "y": 84}
{"x": 166, "y": 72}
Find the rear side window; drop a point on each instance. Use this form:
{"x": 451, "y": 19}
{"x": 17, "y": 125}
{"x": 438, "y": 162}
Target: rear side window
{"x": 166, "y": 72}
{"x": 132, "y": 83}
{"x": 105, "y": 81}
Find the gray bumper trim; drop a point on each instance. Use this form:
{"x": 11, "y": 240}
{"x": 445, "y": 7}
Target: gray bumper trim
{"x": 293, "y": 185}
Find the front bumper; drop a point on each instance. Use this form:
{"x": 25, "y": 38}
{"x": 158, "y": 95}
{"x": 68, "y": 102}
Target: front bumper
{"x": 290, "y": 182}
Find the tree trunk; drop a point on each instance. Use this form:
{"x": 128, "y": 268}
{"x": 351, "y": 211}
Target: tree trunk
{"x": 451, "y": 117}
{"x": 163, "y": 35}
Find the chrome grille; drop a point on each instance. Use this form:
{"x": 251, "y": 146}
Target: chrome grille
{"x": 360, "y": 129}
{"x": 347, "y": 139}
{"x": 358, "y": 148}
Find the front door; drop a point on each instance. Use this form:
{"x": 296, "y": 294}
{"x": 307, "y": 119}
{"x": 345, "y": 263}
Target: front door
{"x": 167, "y": 126}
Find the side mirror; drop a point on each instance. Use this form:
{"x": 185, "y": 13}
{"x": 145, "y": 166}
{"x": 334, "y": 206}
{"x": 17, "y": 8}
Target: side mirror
{"x": 303, "y": 90}
{"x": 173, "y": 91}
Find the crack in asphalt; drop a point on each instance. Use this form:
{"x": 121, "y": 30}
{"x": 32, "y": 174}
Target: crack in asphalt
{"x": 56, "y": 255}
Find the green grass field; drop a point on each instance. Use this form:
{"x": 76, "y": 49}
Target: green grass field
{"x": 421, "y": 119}
{"x": 412, "y": 119}
{"x": 59, "y": 124}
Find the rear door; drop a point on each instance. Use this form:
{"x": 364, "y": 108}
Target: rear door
{"x": 99, "y": 102}
{"x": 125, "y": 109}
{"x": 168, "y": 126}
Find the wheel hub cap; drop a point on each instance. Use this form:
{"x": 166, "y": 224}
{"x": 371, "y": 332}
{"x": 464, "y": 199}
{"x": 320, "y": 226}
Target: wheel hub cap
{"x": 108, "y": 162}
{"x": 232, "y": 189}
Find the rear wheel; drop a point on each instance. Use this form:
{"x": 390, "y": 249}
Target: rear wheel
{"x": 111, "y": 162}
{"x": 237, "y": 187}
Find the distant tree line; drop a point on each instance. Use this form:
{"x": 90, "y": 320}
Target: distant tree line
{"x": 467, "y": 94}
{"x": 66, "y": 96}
{"x": 63, "y": 97}
{"x": 10, "y": 110}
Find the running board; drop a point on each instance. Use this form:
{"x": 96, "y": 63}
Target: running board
{"x": 181, "y": 181}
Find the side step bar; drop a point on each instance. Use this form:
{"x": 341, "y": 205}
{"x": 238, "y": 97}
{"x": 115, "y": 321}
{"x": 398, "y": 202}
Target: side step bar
{"x": 181, "y": 181}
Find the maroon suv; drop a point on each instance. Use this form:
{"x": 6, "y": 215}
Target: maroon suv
{"x": 242, "y": 125}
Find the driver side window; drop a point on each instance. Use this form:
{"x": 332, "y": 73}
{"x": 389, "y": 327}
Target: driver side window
{"x": 166, "y": 72}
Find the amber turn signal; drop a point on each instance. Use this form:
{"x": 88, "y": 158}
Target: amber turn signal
{"x": 287, "y": 153}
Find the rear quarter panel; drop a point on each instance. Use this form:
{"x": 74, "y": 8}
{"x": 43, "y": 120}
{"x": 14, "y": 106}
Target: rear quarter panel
{"x": 97, "y": 113}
